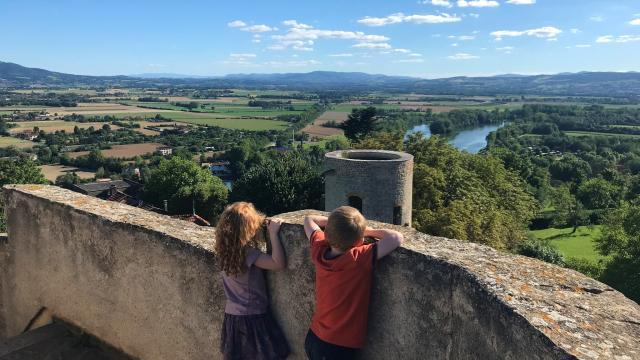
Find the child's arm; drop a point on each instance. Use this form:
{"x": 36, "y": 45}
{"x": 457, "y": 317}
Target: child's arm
{"x": 389, "y": 240}
{"x": 275, "y": 261}
{"x": 313, "y": 223}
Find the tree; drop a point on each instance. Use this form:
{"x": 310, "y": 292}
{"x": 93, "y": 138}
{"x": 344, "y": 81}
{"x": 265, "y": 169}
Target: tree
{"x": 569, "y": 210}
{"x": 598, "y": 194}
{"x": 440, "y": 127}
{"x": 67, "y": 180}
{"x": 184, "y": 184}
{"x": 381, "y": 141}
{"x": 620, "y": 239}
{"x": 21, "y": 171}
{"x": 466, "y": 196}
{"x": 361, "y": 122}
{"x": 280, "y": 184}
{"x": 336, "y": 143}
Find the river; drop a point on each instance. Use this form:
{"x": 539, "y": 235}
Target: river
{"x": 471, "y": 140}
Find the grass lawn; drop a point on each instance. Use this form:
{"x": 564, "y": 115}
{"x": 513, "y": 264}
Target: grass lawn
{"x": 7, "y": 141}
{"x": 580, "y": 245}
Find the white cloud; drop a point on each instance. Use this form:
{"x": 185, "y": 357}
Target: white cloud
{"x": 292, "y": 63}
{"x": 296, "y": 25}
{"x": 237, "y": 24}
{"x": 414, "y": 60}
{"x": 415, "y": 55}
{"x": 575, "y": 31}
{"x": 462, "y": 56}
{"x": 552, "y": 39}
{"x": 403, "y": 51}
{"x": 583, "y": 45}
{"x": 474, "y": 15}
{"x": 302, "y": 36}
{"x": 635, "y": 22}
{"x": 596, "y": 18}
{"x": 256, "y": 41}
{"x": 242, "y": 56}
{"x": 417, "y": 19}
{"x": 543, "y": 32}
{"x": 259, "y": 28}
{"x": 506, "y": 49}
{"x": 341, "y": 55}
{"x": 445, "y": 3}
{"x": 240, "y": 59}
{"x": 620, "y": 39}
{"x": 455, "y": 44}
{"x": 478, "y": 3}
{"x": 368, "y": 45}
{"x": 521, "y": 2}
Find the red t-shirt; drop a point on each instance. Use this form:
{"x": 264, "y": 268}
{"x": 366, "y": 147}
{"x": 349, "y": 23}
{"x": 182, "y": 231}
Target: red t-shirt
{"x": 343, "y": 290}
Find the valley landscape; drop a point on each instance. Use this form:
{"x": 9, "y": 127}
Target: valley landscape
{"x": 524, "y": 141}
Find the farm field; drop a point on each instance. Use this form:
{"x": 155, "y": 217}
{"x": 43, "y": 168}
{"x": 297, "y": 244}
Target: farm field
{"x": 7, "y": 141}
{"x": 122, "y": 151}
{"x": 579, "y": 245}
{"x": 587, "y": 133}
{"x": 316, "y": 128}
{"x": 51, "y": 172}
{"x": 55, "y": 125}
{"x": 226, "y": 122}
{"x": 87, "y": 109}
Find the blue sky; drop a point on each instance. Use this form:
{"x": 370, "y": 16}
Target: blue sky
{"x": 429, "y": 38}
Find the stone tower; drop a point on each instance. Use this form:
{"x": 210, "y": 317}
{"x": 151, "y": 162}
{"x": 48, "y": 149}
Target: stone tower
{"x": 378, "y": 183}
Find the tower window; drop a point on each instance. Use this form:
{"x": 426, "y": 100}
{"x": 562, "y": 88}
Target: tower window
{"x": 397, "y": 215}
{"x": 355, "y": 202}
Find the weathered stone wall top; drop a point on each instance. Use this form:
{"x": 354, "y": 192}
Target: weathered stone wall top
{"x": 582, "y": 316}
{"x": 159, "y": 299}
{"x": 191, "y": 234}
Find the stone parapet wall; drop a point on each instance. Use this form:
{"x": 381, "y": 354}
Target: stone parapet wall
{"x": 3, "y": 254}
{"x": 149, "y": 285}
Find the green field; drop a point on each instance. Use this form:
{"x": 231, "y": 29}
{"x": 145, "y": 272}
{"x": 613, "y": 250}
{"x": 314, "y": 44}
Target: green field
{"x": 588, "y": 133}
{"x": 235, "y": 109}
{"x": 321, "y": 143}
{"x": 6, "y": 141}
{"x": 579, "y": 245}
{"x": 229, "y": 123}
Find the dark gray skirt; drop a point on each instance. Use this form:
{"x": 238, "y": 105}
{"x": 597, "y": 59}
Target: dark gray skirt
{"x": 252, "y": 337}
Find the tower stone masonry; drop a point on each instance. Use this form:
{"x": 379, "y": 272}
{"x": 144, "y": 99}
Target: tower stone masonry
{"x": 379, "y": 183}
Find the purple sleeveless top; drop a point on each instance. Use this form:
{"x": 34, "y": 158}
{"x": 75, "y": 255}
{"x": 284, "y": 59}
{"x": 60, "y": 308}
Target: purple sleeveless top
{"x": 246, "y": 292}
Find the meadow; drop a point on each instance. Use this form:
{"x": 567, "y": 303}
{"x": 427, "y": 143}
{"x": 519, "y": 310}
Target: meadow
{"x": 579, "y": 245}
{"x": 122, "y": 151}
{"x": 55, "y": 125}
{"x": 7, "y": 141}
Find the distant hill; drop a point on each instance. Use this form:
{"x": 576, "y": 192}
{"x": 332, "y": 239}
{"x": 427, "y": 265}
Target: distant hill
{"x": 168, "y": 76}
{"x": 565, "y": 84}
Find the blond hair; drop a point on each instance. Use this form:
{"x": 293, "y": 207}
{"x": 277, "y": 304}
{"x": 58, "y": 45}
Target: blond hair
{"x": 238, "y": 228}
{"x": 345, "y": 227}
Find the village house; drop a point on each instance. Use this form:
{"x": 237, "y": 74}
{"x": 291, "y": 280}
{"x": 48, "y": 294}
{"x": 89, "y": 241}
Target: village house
{"x": 27, "y": 135}
{"x": 164, "y": 150}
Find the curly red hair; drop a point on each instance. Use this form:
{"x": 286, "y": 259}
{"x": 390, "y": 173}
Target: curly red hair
{"x": 238, "y": 228}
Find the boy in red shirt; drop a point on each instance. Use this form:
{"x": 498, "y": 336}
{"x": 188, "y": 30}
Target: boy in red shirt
{"x": 344, "y": 271}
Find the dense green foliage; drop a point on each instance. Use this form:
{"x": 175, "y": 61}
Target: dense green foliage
{"x": 361, "y": 122}
{"x": 466, "y": 196}
{"x": 186, "y": 186}
{"x": 621, "y": 240}
{"x": 281, "y": 183}
{"x": 18, "y": 171}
